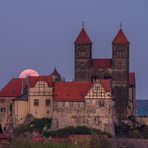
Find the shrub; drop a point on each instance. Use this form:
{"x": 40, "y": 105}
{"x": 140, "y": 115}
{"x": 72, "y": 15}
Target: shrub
{"x": 79, "y": 130}
{"x": 41, "y": 124}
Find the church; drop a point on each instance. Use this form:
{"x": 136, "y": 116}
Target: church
{"x": 102, "y": 92}
{"x": 116, "y": 70}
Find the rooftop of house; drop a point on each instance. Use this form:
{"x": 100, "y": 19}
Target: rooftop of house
{"x": 75, "y": 91}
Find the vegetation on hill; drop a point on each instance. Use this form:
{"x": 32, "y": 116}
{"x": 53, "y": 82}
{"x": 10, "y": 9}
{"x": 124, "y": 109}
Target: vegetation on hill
{"x": 85, "y": 143}
{"x": 79, "y": 130}
{"x": 39, "y": 125}
{"x": 136, "y": 130}
{"x": 42, "y": 126}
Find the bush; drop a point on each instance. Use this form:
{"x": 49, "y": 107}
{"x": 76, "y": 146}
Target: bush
{"x": 40, "y": 125}
{"x": 79, "y": 130}
{"x": 124, "y": 130}
{"x": 21, "y": 143}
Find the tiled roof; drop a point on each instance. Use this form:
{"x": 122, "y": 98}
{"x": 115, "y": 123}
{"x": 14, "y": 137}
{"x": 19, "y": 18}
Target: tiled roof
{"x": 120, "y": 38}
{"x": 101, "y": 63}
{"x": 75, "y": 91}
{"x": 132, "y": 78}
{"x": 71, "y": 91}
{"x": 34, "y": 79}
{"x": 83, "y": 38}
{"x": 106, "y": 85}
{"x": 13, "y": 88}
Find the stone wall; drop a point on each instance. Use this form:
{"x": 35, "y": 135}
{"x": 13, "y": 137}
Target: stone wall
{"x": 6, "y": 112}
{"x": 142, "y": 120}
{"x": 96, "y": 111}
{"x": 99, "y": 114}
{"x": 68, "y": 114}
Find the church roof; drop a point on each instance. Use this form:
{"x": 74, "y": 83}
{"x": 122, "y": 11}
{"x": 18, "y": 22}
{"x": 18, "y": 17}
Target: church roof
{"x": 34, "y": 79}
{"x": 101, "y": 63}
{"x": 132, "y": 78}
{"x": 13, "y": 88}
{"x": 83, "y": 38}
{"x": 120, "y": 38}
{"x": 75, "y": 91}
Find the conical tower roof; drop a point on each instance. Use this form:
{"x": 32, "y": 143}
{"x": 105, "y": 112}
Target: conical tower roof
{"x": 120, "y": 38}
{"x": 55, "y": 72}
{"x": 83, "y": 38}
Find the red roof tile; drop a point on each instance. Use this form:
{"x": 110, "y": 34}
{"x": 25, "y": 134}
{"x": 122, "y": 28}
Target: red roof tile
{"x": 101, "y": 63}
{"x": 83, "y": 38}
{"x": 34, "y": 79}
{"x": 71, "y": 91}
{"x": 132, "y": 78}
{"x": 106, "y": 84}
{"x": 120, "y": 38}
{"x": 75, "y": 91}
{"x": 13, "y": 88}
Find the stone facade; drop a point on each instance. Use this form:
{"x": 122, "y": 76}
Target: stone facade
{"x": 115, "y": 69}
{"x": 6, "y": 112}
{"x": 95, "y": 111}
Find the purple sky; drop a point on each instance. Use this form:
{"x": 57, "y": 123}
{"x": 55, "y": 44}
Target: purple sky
{"x": 39, "y": 34}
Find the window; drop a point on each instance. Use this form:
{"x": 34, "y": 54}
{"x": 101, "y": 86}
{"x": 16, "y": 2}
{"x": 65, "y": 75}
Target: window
{"x": 101, "y": 103}
{"x": 3, "y": 109}
{"x": 47, "y": 111}
{"x": 36, "y": 102}
{"x": 107, "y": 77}
{"x": 48, "y": 102}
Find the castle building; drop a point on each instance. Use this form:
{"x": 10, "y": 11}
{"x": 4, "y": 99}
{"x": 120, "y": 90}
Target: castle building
{"x": 115, "y": 69}
{"x": 103, "y": 91}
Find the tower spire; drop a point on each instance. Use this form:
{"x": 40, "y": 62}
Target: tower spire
{"x": 83, "y": 24}
{"x": 120, "y": 24}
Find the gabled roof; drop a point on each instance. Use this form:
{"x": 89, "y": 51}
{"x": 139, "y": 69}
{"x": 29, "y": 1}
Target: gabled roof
{"x": 106, "y": 85}
{"x": 75, "y": 91}
{"x": 34, "y": 79}
{"x": 120, "y": 38}
{"x": 101, "y": 63}
{"x": 132, "y": 78}
{"x": 83, "y": 38}
{"x": 71, "y": 91}
{"x": 13, "y": 88}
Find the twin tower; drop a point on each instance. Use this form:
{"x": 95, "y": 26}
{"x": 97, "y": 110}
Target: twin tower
{"x": 116, "y": 68}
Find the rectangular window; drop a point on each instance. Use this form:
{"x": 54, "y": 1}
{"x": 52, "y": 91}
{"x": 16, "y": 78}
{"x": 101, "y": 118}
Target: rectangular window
{"x": 36, "y": 102}
{"x": 48, "y": 102}
{"x": 47, "y": 111}
{"x": 3, "y": 109}
{"x": 101, "y": 103}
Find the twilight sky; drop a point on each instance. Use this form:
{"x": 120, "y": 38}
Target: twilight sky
{"x": 39, "y": 34}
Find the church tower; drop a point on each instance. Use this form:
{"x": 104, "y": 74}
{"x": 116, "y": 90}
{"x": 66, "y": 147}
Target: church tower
{"x": 83, "y": 56}
{"x": 120, "y": 74}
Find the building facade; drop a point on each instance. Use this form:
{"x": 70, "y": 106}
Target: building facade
{"x": 115, "y": 69}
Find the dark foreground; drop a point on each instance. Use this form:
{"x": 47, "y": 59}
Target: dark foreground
{"x": 83, "y": 141}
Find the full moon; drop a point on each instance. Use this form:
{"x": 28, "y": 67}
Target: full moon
{"x": 28, "y": 72}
